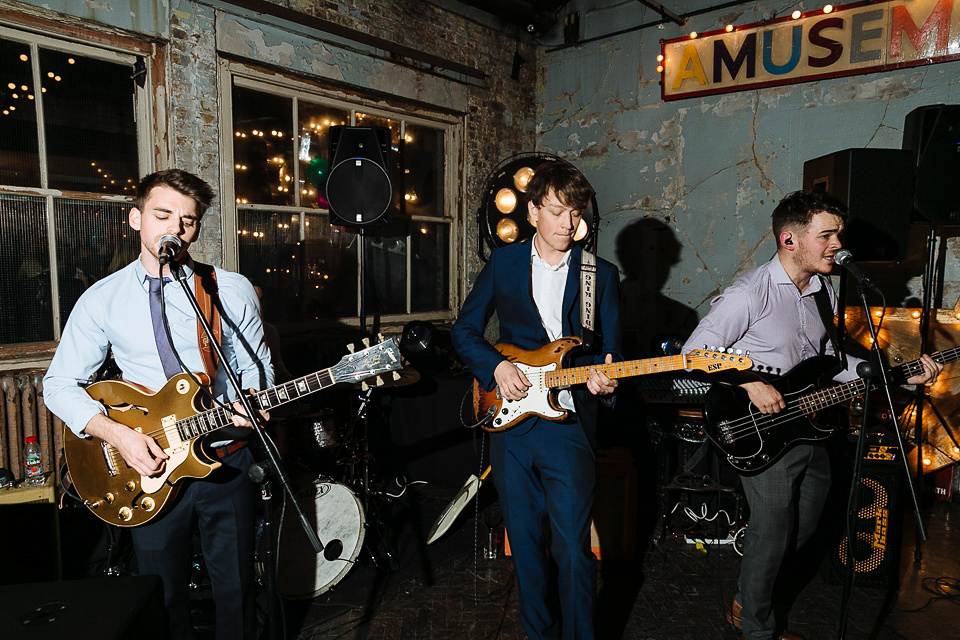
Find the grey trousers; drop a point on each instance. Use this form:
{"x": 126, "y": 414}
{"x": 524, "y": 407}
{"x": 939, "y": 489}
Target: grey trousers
{"x": 785, "y": 505}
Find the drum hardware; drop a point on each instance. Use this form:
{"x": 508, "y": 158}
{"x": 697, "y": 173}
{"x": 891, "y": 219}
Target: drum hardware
{"x": 325, "y": 429}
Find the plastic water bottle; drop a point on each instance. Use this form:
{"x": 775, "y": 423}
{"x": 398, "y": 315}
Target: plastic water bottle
{"x": 32, "y": 463}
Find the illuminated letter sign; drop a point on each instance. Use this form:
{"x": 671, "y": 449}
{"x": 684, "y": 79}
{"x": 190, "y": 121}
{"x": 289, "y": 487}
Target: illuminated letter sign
{"x": 854, "y": 39}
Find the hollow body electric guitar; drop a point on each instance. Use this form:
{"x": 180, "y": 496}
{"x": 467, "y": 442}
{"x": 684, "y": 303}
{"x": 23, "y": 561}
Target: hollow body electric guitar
{"x": 542, "y": 368}
{"x": 176, "y": 417}
{"x": 752, "y": 441}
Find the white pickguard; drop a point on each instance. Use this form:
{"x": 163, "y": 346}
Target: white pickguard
{"x": 177, "y": 456}
{"x": 537, "y": 399}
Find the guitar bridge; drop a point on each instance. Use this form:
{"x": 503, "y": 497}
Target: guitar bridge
{"x": 109, "y": 459}
{"x": 725, "y": 436}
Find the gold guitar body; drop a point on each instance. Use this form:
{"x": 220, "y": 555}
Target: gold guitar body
{"x": 114, "y": 491}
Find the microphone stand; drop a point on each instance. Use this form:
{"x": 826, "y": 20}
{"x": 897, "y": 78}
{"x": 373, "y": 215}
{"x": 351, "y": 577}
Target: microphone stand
{"x": 880, "y": 371}
{"x": 259, "y": 472}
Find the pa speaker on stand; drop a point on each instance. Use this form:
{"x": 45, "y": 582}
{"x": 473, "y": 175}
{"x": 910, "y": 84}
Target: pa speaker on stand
{"x": 876, "y": 186}
{"x": 931, "y": 134}
{"x": 358, "y": 186}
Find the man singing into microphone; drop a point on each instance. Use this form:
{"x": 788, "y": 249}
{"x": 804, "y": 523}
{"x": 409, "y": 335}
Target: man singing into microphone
{"x": 122, "y": 313}
{"x": 772, "y": 312}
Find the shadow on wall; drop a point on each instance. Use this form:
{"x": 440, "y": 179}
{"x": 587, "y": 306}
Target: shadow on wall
{"x": 647, "y": 250}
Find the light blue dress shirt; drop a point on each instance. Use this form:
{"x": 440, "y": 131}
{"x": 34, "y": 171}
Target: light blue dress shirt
{"x": 115, "y": 312}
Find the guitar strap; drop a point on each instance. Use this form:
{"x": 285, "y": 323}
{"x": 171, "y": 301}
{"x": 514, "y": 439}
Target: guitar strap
{"x": 588, "y": 273}
{"x": 826, "y": 316}
{"x": 205, "y": 285}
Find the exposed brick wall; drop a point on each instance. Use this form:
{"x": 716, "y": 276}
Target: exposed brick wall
{"x": 194, "y": 121}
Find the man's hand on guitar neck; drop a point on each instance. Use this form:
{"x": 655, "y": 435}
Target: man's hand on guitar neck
{"x": 931, "y": 369}
{"x": 599, "y": 384}
{"x": 512, "y": 383}
{"x": 140, "y": 451}
{"x": 239, "y": 416}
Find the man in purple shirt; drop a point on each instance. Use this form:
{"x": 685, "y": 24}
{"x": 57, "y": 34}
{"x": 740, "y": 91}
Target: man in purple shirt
{"x": 772, "y": 312}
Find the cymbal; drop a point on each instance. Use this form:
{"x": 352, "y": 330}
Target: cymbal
{"x": 400, "y": 378}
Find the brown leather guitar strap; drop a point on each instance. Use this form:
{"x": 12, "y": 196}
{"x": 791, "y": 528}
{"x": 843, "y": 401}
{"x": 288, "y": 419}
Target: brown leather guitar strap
{"x": 205, "y": 286}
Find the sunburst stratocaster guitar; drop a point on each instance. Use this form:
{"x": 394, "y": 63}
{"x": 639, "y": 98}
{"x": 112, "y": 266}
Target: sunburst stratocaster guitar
{"x": 177, "y": 416}
{"x": 542, "y": 368}
{"x": 752, "y": 441}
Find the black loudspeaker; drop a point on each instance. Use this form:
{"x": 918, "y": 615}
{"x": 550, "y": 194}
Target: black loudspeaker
{"x": 876, "y": 185}
{"x": 128, "y": 608}
{"x": 932, "y": 136}
{"x": 878, "y": 523}
{"x": 358, "y": 186}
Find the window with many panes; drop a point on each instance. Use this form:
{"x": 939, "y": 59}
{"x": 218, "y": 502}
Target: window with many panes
{"x": 69, "y": 152}
{"x": 309, "y": 264}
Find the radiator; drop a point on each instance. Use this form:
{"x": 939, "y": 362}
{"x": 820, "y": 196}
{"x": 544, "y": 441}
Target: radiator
{"x": 23, "y": 413}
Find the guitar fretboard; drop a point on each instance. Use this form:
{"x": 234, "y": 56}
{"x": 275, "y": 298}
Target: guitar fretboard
{"x": 207, "y": 421}
{"x": 646, "y": 366}
{"x": 830, "y": 396}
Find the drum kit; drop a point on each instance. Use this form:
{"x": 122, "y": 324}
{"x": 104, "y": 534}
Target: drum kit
{"x": 328, "y": 453}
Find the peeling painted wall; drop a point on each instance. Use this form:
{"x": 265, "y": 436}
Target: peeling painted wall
{"x": 686, "y": 188}
{"x": 498, "y": 113}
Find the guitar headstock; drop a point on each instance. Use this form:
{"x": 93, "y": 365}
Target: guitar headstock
{"x": 713, "y": 360}
{"x": 382, "y": 357}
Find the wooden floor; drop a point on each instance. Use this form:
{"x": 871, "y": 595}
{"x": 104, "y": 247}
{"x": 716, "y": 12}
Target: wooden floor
{"x": 673, "y": 591}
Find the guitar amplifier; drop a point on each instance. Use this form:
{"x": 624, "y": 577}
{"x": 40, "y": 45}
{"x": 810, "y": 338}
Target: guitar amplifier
{"x": 878, "y": 522}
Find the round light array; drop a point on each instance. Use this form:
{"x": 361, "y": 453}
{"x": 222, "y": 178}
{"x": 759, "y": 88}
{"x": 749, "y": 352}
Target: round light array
{"x": 504, "y": 217}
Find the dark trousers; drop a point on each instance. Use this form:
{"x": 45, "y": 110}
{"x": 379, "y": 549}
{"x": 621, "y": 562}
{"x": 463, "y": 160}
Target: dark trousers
{"x": 545, "y": 473}
{"x": 224, "y": 507}
{"x": 785, "y": 505}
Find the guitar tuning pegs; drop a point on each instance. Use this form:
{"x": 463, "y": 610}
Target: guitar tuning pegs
{"x": 380, "y": 338}
{"x": 395, "y": 376}
{"x": 366, "y": 342}
{"x": 364, "y": 386}
{"x": 350, "y": 348}
{"x": 739, "y": 352}
{"x": 379, "y": 381}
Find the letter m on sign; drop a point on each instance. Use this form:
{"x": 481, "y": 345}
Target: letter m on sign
{"x": 722, "y": 58}
{"x": 902, "y": 24}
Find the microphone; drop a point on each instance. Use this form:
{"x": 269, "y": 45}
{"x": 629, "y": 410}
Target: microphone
{"x": 167, "y": 248}
{"x": 845, "y": 259}
{"x": 332, "y": 550}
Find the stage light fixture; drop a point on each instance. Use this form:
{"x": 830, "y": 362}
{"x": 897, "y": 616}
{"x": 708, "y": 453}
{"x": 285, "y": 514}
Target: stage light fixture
{"x": 503, "y": 217}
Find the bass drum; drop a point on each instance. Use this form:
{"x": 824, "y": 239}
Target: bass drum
{"x": 337, "y": 516}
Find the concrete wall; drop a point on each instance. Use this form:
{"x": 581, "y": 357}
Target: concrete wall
{"x": 686, "y": 188}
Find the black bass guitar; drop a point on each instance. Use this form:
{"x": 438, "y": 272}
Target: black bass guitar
{"x": 752, "y": 441}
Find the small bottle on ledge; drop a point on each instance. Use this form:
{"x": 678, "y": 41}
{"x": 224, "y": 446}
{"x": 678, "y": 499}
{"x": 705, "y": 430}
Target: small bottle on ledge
{"x": 32, "y": 463}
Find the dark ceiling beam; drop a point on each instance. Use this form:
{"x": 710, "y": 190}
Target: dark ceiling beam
{"x": 663, "y": 11}
{"x": 313, "y": 22}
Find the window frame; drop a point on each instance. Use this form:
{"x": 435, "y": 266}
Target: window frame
{"x": 109, "y": 47}
{"x": 295, "y": 88}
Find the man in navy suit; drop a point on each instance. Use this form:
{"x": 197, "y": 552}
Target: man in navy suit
{"x": 543, "y": 470}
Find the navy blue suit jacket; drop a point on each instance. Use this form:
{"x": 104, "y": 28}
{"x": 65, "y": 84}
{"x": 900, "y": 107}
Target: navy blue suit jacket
{"x": 504, "y": 286}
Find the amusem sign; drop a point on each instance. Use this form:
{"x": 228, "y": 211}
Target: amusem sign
{"x": 853, "y": 39}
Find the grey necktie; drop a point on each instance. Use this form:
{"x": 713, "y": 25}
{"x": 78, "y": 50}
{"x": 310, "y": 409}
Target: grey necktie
{"x": 170, "y": 365}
